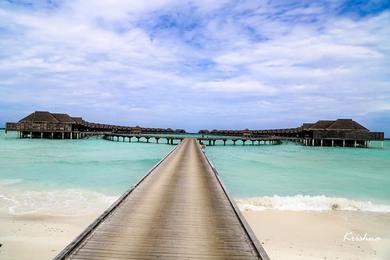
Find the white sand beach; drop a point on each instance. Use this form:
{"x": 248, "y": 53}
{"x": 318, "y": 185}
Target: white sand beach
{"x": 320, "y": 235}
{"x": 38, "y": 237}
{"x": 284, "y": 234}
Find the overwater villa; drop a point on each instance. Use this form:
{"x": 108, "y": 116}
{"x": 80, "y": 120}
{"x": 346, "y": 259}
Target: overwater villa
{"x": 340, "y": 132}
{"x": 43, "y": 124}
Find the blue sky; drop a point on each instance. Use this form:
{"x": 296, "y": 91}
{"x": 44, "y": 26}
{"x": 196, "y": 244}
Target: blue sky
{"x": 197, "y": 64}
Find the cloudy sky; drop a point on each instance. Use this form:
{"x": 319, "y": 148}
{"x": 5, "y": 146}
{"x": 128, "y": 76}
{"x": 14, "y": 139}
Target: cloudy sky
{"x": 197, "y": 64}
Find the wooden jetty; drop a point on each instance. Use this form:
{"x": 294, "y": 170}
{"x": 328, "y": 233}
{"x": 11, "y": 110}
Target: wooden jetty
{"x": 210, "y": 140}
{"x": 179, "y": 210}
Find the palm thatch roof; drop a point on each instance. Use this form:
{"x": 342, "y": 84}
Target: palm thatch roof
{"x": 39, "y": 116}
{"x": 346, "y": 124}
{"x": 78, "y": 120}
{"x": 307, "y": 125}
{"x": 322, "y": 125}
{"x": 63, "y": 118}
{"x": 339, "y": 124}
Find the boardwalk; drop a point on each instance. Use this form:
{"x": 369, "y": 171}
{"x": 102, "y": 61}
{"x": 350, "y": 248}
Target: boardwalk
{"x": 209, "y": 140}
{"x": 180, "y": 210}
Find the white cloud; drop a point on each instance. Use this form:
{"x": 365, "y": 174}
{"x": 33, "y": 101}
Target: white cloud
{"x": 237, "y": 85}
{"x": 99, "y": 54}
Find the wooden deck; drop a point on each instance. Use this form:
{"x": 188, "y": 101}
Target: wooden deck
{"x": 179, "y": 210}
{"x": 209, "y": 140}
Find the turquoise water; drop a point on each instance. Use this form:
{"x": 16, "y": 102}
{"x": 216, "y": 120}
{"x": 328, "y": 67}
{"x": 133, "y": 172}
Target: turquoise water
{"x": 58, "y": 175}
{"x": 93, "y": 164}
{"x": 291, "y": 169}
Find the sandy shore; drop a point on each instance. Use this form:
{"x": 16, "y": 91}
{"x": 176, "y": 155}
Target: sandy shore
{"x": 38, "y": 237}
{"x": 285, "y": 234}
{"x": 320, "y": 235}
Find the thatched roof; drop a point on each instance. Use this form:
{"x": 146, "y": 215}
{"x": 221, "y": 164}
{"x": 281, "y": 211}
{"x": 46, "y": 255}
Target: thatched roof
{"x": 40, "y": 116}
{"x": 307, "y": 125}
{"x": 322, "y": 125}
{"x": 78, "y": 120}
{"x": 47, "y": 117}
{"x": 339, "y": 124}
{"x": 63, "y": 118}
{"x": 346, "y": 124}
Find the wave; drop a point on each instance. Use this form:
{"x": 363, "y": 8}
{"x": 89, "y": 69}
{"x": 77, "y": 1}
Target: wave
{"x": 9, "y": 182}
{"x": 69, "y": 202}
{"x": 309, "y": 203}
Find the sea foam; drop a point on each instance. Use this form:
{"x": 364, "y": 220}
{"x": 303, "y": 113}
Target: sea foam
{"x": 309, "y": 203}
{"x": 9, "y": 182}
{"x": 69, "y": 202}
